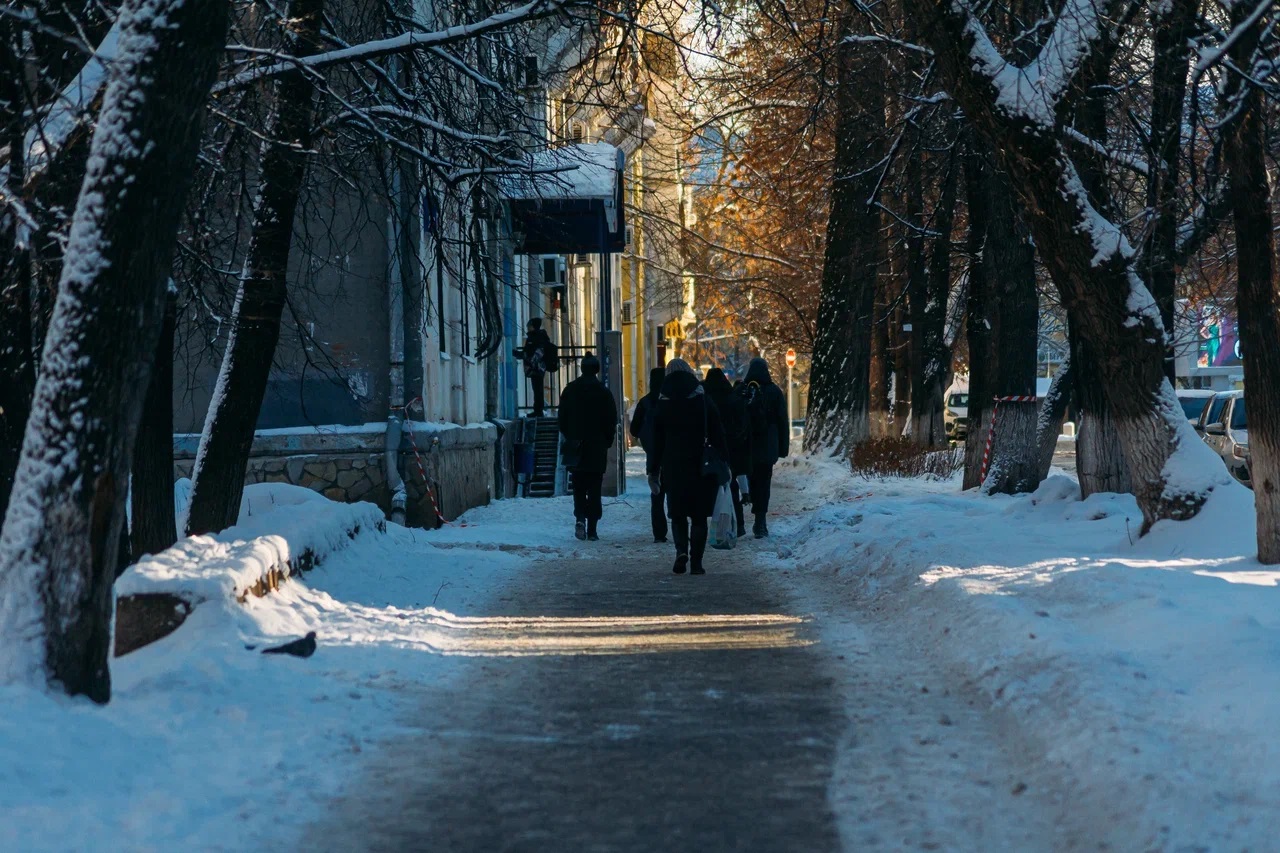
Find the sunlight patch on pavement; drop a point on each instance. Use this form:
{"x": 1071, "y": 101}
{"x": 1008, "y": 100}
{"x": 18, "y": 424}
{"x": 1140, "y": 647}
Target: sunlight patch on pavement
{"x": 442, "y": 632}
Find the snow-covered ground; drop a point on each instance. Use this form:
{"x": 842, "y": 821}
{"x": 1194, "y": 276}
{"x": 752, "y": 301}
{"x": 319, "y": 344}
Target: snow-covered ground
{"x": 1129, "y": 687}
{"x": 209, "y": 745}
{"x": 1141, "y": 676}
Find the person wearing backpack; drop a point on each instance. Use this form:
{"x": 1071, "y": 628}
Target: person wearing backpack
{"x": 642, "y": 428}
{"x": 685, "y": 424}
{"x": 540, "y": 358}
{"x": 770, "y": 437}
{"x": 737, "y": 437}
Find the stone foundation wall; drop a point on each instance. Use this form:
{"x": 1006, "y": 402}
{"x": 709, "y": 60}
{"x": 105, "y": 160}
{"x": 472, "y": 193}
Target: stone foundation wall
{"x": 347, "y": 464}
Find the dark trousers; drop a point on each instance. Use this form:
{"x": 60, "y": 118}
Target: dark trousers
{"x": 658, "y": 514}
{"x": 736, "y": 494}
{"x": 586, "y": 495}
{"x": 761, "y": 481}
{"x": 539, "y": 398}
{"x": 691, "y": 537}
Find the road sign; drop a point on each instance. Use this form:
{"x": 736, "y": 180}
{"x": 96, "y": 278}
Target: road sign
{"x": 791, "y": 358}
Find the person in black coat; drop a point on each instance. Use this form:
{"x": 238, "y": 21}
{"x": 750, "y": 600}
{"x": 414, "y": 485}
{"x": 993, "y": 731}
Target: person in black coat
{"x": 588, "y": 421}
{"x": 537, "y": 351}
{"x": 770, "y": 436}
{"x": 737, "y": 437}
{"x": 685, "y": 421}
{"x": 642, "y": 428}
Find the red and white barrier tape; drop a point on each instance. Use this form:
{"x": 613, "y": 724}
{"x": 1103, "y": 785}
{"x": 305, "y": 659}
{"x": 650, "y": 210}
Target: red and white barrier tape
{"x": 991, "y": 433}
{"x": 422, "y": 471}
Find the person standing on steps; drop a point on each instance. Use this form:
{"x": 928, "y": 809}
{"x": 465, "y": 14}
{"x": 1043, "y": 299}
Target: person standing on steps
{"x": 770, "y": 436}
{"x": 540, "y": 358}
{"x": 737, "y": 438}
{"x": 642, "y": 428}
{"x": 588, "y": 420}
{"x": 685, "y": 423}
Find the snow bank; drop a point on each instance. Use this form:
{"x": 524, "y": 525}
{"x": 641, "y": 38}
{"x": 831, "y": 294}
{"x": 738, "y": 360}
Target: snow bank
{"x": 1147, "y": 669}
{"x": 280, "y": 524}
{"x": 209, "y": 745}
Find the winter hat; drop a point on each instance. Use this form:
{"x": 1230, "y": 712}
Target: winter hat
{"x": 590, "y": 365}
{"x": 758, "y": 372}
{"x": 679, "y": 365}
{"x": 717, "y": 383}
{"x": 656, "y": 375}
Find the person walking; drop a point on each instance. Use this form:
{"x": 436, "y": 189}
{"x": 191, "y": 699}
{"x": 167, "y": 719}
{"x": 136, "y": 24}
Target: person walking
{"x": 540, "y": 358}
{"x": 642, "y": 428}
{"x": 588, "y": 420}
{"x": 686, "y": 422}
{"x": 770, "y": 437}
{"x": 737, "y": 438}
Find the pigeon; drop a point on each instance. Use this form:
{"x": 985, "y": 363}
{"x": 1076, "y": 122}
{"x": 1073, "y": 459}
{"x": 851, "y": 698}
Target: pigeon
{"x": 301, "y": 648}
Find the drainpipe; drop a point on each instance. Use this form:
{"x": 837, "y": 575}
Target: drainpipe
{"x": 399, "y": 497}
{"x": 395, "y": 322}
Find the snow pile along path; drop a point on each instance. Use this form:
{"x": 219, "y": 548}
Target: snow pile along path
{"x": 207, "y": 744}
{"x": 1142, "y": 676}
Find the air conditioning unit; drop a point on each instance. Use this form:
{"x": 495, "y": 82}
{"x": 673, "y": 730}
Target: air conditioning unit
{"x": 581, "y": 260}
{"x": 630, "y": 237}
{"x": 628, "y": 312}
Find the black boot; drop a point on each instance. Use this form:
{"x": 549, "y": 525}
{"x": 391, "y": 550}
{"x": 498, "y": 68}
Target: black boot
{"x": 760, "y": 529}
{"x": 698, "y": 548}
{"x": 580, "y": 530}
{"x": 680, "y": 530}
{"x": 591, "y": 530}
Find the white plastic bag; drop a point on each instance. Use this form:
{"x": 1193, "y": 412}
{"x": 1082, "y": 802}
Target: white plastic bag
{"x": 722, "y": 526}
{"x": 744, "y": 489}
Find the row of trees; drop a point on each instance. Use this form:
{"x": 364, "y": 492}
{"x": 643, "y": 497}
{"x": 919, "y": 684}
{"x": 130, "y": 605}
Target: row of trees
{"x": 157, "y": 155}
{"x": 980, "y": 168}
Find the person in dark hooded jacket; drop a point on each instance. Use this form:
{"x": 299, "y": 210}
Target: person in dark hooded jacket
{"x": 642, "y": 428}
{"x": 685, "y": 422}
{"x": 588, "y": 421}
{"x": 770, "y": 436}
{"x": 733, "y": 416}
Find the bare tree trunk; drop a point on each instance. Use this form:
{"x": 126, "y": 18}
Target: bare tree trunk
{"x": 1011, "y": 265}
{"x": 977, "y": 325}
{"x": 154, "y": 527}
{"x": 840, "y": 375}
{"x": 1100, "y": 462}
{"x": 880, "y": 364}
{"x": 1175, "y": 24}
{"x": 1053, "y": 411}
{"x": 1094, "y": 271}
{"x": 930, "y": 325}
{"x": 59, "y": 546}
{"x": 227, "y": 439}
{"x": 1245, "y": 153}
{"x": 17, "y": 362}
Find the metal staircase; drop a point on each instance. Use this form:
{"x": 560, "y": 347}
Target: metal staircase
{"x": 546, "y": 457}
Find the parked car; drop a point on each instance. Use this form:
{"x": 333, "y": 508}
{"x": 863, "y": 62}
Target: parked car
{"x": 1229, "y": 436}
{"x": 1211, "y": 413}
{"x": 955, "y": 417}
{"x": 1194, "y": 401}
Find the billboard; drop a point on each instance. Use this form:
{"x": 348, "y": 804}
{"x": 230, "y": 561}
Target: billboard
{"x": 1219, "y": 340}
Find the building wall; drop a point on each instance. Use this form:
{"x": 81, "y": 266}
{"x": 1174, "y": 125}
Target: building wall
{"x": 332, "y": 361}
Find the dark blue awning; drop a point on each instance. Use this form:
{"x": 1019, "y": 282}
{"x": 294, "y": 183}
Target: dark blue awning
{"x": 570, "y": 202}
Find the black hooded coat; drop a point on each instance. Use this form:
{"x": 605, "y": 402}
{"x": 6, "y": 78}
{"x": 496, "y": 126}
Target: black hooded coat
{"x": 589, "y": 414}
{"x": 733, "y": 417}
{"x": 643, "y": 417}
{"x": 771, "y": 433}
{"x": 685, "y": 418}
